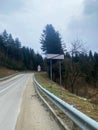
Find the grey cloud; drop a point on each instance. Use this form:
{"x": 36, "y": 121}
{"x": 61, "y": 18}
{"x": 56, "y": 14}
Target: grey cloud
{"x": 85, "y": 26}
{"x": 9, "y": 6}
{"x": 91, "y": 7}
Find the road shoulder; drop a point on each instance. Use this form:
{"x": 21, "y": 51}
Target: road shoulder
{"x": 33, "y": 115}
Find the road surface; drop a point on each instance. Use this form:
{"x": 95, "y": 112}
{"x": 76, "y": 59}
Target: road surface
{"x": 23, "y": 111}
{"x": 10, "y": 99}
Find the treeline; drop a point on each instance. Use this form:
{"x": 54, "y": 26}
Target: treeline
{"x": 15, "y": 56}
{"x": 78, "y": 71}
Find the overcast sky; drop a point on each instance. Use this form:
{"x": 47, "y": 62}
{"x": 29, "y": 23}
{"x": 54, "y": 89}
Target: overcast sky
{"x": 74, "y": 19}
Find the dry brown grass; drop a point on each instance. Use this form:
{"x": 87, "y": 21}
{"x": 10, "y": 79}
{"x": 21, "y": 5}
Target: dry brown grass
{"x": 5, "y": 72}
{"x": 84, "y": 106}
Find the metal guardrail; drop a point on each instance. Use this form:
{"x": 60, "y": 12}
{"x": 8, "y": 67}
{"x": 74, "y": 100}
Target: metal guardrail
{"x": 81, "y": 120}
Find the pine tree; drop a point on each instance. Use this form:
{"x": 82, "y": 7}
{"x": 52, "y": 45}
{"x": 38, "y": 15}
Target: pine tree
{"x": 51, "y": 41}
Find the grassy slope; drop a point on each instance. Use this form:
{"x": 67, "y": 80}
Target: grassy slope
{"x": 85, "y": 106}
{"x": 5, "y": 72}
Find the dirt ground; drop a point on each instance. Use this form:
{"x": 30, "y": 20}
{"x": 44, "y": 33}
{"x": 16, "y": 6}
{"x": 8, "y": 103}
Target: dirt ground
{"x": 6, "y": 72}
{"x": 33, "y": 115}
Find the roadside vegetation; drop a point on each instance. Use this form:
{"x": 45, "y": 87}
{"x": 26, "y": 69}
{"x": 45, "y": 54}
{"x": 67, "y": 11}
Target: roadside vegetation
{"x": 82, "y": 104}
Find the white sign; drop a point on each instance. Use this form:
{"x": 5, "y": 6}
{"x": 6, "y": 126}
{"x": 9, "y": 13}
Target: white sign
{"x": 55, "y": 56}
{"x": 39, "y": 68}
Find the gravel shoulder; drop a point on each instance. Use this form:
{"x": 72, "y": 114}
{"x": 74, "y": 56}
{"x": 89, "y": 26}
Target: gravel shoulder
{"x": 33, "y": 115}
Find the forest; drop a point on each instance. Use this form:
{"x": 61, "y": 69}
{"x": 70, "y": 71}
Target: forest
{"x": 15, "y": 56}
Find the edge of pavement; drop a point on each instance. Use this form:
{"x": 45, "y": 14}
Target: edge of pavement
{"x": 7, "y": 77}
{"x": 57, "y": 119}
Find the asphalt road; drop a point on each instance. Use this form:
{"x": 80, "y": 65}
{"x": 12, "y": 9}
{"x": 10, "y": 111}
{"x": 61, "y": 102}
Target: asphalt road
{"x": 33, "y": 114}
{"x": 11, "y": 92}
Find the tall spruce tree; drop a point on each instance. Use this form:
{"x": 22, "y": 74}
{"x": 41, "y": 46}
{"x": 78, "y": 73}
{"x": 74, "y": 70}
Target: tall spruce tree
{"x": 51, "y": 41}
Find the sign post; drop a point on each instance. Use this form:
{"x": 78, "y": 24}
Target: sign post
{"x": 58, "y": 57}
{"x": 60, "y": 76}
{"x": 51, "y": 72}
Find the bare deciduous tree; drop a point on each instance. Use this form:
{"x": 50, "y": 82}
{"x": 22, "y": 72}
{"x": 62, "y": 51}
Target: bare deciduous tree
{"x": 75, "y": 72}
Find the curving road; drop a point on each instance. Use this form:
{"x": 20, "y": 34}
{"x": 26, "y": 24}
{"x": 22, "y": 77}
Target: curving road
{"x": 11, "y": 92}
{"x": 22, "y": 110}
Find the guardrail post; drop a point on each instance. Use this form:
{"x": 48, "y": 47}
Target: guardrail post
{"x": 75, "y": 127}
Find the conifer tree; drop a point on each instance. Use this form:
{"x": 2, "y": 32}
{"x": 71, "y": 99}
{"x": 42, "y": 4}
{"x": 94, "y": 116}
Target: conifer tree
{"x": 51, "y": 41}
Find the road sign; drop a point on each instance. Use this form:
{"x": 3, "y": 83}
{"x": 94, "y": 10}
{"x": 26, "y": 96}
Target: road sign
{"x": 39, "y": 68}
{"x": 55, "y": 56}
{"x": 58, "y": 57}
